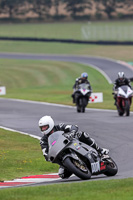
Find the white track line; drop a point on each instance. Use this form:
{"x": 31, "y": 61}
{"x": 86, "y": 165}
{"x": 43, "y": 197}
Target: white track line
{"x": 13, "y": 130}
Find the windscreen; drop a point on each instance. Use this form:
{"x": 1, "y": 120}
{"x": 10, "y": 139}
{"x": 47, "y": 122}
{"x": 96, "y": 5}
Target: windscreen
{"x": 124, "y": 87}
{"x": 54, "y": 137}
{"x": 84, "y": 86}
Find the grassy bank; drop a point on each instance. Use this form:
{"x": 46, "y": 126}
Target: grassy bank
{"x": 116, "y": 52}
{"x": 71, "y": 30}
{"x": 50, "y": 81}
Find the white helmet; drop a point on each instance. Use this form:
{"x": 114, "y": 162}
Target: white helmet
{"x": 121, "y": 75}
{"x": 46, "y": 124}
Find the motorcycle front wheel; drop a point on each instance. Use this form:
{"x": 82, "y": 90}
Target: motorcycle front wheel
{"x": 111, "y": 167}
{"x": 84, "y": 104}
{"x": 127, "y": 108}
{"x": 120, "y": 112}
{"x": 77, "y": 167}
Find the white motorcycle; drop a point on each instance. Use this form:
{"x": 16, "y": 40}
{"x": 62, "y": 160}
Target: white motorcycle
{"x": 123, "y": 100}
{"x": 82, "y": 95}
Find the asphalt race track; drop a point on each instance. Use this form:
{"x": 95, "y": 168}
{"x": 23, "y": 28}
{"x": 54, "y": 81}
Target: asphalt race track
{"x": 109, "y": 130}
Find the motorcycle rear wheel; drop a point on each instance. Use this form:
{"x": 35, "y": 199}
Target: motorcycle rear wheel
{"x": 111, "y": 167}
{"x": 78, "y": 168}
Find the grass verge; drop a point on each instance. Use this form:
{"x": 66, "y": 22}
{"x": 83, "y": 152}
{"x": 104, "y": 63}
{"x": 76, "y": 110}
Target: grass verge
{"x": 117, "y": 52}
{"x": 110, "y": 30}
{"x": 21, "y": 155}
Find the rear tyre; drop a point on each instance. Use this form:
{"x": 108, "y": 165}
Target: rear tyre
{"x": 111, "y": 167}
{"x": 77, "y": 167}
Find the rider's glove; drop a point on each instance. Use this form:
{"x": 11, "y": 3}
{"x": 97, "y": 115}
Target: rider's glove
{"x": 45, "y": 154}
{"x": 104, "y": 151}
{"x": 71, "y": 135}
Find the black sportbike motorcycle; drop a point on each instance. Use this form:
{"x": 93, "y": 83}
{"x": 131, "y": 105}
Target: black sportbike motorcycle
{"x": 82, "y": 95}
{"x": 79, "y": 158}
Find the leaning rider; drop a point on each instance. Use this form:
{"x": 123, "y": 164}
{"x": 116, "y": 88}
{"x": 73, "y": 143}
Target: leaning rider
{"x": 47, "y": 127}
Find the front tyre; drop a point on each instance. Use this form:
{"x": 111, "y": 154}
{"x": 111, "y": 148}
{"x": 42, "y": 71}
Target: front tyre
{"x": 84, "y": 104}
{"x": 120, "y": 112}
{"x": 111, "y": 167}
{"x": 78, "y": 109}
{"x": 78, "y": 167}
{"x": 127, "y": 108}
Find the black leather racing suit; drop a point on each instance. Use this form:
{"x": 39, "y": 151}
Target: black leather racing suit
{"x": 75, "y": 86}
{"x": 82, "y": 136}
{"x": 119, "y": 83}
{"x": 80, "y": 81}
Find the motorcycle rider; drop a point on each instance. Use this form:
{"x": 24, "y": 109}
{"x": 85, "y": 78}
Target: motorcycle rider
{"x": 47, "y": 127}
{"x": 78, "y": 81}
{"x": 120, "y": 81}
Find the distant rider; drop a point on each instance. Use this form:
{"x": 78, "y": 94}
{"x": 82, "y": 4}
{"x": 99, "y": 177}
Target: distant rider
{"x": 80, "y": 80}
{"x": 47, "y": 127}
{"x": 120, "y": 81}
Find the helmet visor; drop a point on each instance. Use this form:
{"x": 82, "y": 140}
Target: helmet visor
{"x": 84, "y": 78}
{"x": 44, "y": 128}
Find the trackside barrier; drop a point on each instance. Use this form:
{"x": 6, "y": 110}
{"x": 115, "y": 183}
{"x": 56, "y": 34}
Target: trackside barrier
{"x": 2, "y": 90}
{"x": 98, "y": 42}
{"x": 96, "y": 98}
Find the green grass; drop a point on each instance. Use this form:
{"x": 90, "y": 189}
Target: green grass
{"x": 97, "y": 30}
{"x": 50, "y": 81}
{"x": 21, "y": 155}
{"x": 99, "y": 190}
{"x": 116, "y": 52}
{"x": 66, "y": 31}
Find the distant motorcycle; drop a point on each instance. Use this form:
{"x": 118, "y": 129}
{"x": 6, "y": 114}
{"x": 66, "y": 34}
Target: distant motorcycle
{"x": 82, "y": 94}
{"x": 79, "y": 158}
{"x": 123, "y": 100}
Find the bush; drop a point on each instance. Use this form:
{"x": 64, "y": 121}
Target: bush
{"x": 98, "y": 15}
{"x": 59, "y": 17}
{"x": 83, "y": 17}
{"x": 124, "y": 16}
